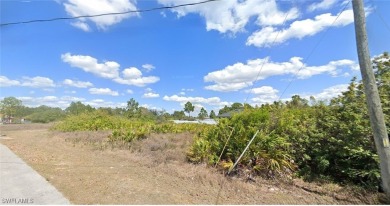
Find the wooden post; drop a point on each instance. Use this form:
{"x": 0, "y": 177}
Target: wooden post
{"x": 372, "y": 97}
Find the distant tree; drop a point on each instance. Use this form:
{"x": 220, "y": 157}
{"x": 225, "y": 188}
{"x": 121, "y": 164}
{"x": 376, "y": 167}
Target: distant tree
{"x": 188, "y": 107}
{"x": 76, "y": 108}
{"x": 24, "y": 111}
{"x": 236, "y": 105}
{"x": 132, "y": 109}
{"x": 247, "y": 106}
{"x": 212, "y": 114}
{"x": 202, "y": 114}
{"x": 297, "y": 101}
{"x": 178, "y": 115}
{"x": 9, "y": 105}
{"x": 45, "y": 114}
{"x": 224, "y": 110}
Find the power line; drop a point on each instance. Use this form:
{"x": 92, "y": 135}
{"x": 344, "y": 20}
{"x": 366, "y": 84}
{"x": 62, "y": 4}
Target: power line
{"x": 314, "y": 48}
{"x": 106, "y": 14}
{"x": 269, "y": 53}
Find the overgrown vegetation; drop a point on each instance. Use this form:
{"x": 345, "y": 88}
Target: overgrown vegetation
{"x": 324, "y": 142}
{"x": 123, "y": 129}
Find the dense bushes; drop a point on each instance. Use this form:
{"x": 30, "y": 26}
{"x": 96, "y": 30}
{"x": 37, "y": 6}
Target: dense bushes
{"x": 313, "y": 142}
{"x": 332, "y": 142}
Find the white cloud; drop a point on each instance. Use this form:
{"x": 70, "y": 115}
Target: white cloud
{"x": 51, "y": 101}
{"x": 264, "y": 94}
{"x": 139, "y": 82}
{"x": 329, "y": 92}
{"x": 262, "y": 90}
{"x": 324, "y": 4}
{"x": 104, "y": 103}
{"x": 267, "y": 94}
{"x": 148, "y": 67}
{"x": 151, "y": 95}
{"x": 79, "y": 84}
{"x": 193, "y": 100}
{"x": 228, "y": 87}
{"x": 5, "y": 82}
{"x": 37, "y": 82}
{"x": 238, "y": 76}
{"x": 109, "y": 70}
{"x": 131, "y": 73}
{"x": 103, "y": 91}
{"x": 129, "y": 91}
{"x": 82, "y": 8}
{"x": 234, "y": 15}
{"x": 64, "y": 102}
{"x": 299, "y": 29}
{"x": 81, "y": 25}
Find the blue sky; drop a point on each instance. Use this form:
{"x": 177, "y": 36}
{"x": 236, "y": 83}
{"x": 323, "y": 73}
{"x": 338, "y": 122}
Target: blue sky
{"x": 211, "y": 54}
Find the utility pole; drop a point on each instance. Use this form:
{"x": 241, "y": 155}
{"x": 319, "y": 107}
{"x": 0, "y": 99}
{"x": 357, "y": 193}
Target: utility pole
{"x": 372, "y": 97}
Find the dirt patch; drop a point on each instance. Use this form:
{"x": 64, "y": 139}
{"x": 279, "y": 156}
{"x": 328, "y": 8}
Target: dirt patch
{"x": 88, "y": 169}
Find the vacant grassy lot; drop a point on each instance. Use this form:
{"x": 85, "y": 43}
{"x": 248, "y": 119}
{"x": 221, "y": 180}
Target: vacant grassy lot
{"x": 88, "y": 169}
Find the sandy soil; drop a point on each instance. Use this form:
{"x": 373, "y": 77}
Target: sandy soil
{"x": 88, "y": 169}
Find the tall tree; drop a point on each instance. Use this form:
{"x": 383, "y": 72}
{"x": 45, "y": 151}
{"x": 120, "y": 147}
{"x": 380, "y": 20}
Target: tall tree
{"x": 9, "y": 105}
{"x": 132, "y": 108}
{"x": 203, "y": 113}
{"x": 212, "y": 114}
{"x": 188, "y": 107}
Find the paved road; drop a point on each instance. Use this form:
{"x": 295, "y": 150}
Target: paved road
{"x": 20, "y": 184}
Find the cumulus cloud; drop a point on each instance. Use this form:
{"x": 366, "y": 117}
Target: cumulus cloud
{"x": 239, "y": 75}
{"x": 299, "y": 29}
{"x": 329, "y": 92}
{"x": 267, "y": 94}
{"x": 5, "y": 82}
{"x": 129, "y": 91}
{"x": 64, "y": 101}
{"x": 37, "y": 82}
{"x": 264, "y": 94}
{"x": 324, "y": 4}
{"x": 109, "y": 70}
{"x": 200, "y": 100}
{"x": 150, "y": 95}
{"x": 234, "y": 15}
{"x": 133, "y": 76}
{"x": 103, "y": 91}
{"x": 82, "y": 8}
{"x": 78, "y": 84}
{"x": 51, "y": 101}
